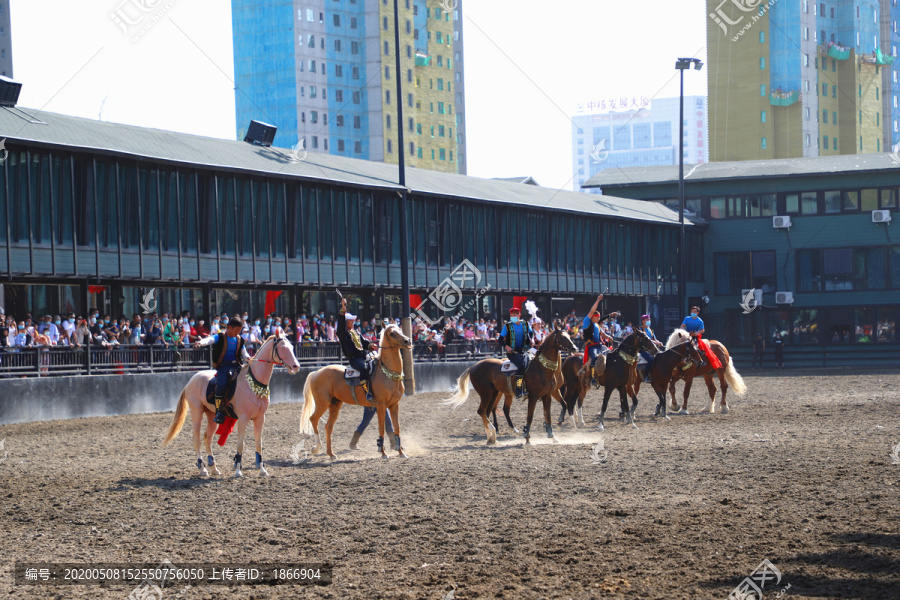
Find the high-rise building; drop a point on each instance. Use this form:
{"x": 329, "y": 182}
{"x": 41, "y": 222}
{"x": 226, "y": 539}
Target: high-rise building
{"x": 797, "y": 78}
{"x": 324, "y": 71}
{"x": 644, "y": 134}
{"x": 6, "y": 64}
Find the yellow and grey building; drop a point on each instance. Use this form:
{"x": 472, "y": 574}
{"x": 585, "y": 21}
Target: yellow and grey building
{"x": 796, "y": 78}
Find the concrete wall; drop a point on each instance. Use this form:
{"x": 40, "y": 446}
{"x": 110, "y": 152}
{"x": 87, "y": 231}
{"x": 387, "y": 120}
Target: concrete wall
{"x": 30, "y": 399}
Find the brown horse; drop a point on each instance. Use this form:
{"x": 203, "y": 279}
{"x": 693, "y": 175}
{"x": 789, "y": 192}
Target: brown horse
{"x": 621, "y": 373}
{"x": 727, "y": 374}
{"x": 542, "y": 379}
{"x": 663, "y": 369}
{"x": 577, "y": 383}
{"x": 326, "y": 389}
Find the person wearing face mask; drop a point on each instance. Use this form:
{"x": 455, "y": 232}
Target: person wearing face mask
{"x": 693, "y": 324}
{"x": 255, "y": 338}
{"x": 171, "y": 333}
{"x": 21, "y": 339}
{"x": 645, "y": 327}
{"x": 517, "y": 338}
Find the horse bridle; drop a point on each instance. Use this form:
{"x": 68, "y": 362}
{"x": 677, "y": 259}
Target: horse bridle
{"x": 275, "y": 355}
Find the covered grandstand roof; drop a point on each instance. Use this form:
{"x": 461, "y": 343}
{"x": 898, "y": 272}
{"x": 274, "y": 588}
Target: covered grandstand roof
{"x": 55, "y": 130}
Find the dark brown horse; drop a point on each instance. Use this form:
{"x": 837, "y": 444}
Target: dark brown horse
{"x": 663, "y": 369}
{"x": 577, "y": 383}
{"x": 621, "y": 372}
{"x": 727, "y": 374}
{"x": 542, "y": 379}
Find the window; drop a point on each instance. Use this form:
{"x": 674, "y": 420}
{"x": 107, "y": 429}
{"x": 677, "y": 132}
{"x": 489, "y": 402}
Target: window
{"x": 338, "y": 71}
{"x": 762, "y": 89}
{"x": 313, "y": 116}
{"x": 339, "y": 95}
{"x": 825, "y": 142}
{"x": 357, "y": 122}
{"x": 762, "y": 37}
{"x": 762, "y": 116}
{"x": 337, "y": 20}
{"x": 337, "y": 45}
{"x": 825, "y": 120}
{"x": 836, "y": 269}
{"x": 832, "y": 201}
{"x": 339, "y": 120}
{"x": 763, "y": 143}
{"x": 736, "y": 271}
{"x": 762, "y": 62}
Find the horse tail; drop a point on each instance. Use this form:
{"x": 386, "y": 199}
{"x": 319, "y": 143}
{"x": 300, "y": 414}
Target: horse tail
{"x": 178, "y": 421}
{"x": 460, "y": 392}
{"x": 309, "y": 405}
{"x": 734, "y": 379}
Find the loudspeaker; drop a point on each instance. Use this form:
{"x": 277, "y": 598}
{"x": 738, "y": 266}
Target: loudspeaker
{"x": 261, "y": 134}
{"x": 9, "y": 91}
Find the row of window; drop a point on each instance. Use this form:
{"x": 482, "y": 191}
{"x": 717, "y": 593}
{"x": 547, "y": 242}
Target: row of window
{"x": 72, "y": 200}
{"x": 813, "y": 326}
{"x": 792, "y": 203}
{"x": 817, "y": 270}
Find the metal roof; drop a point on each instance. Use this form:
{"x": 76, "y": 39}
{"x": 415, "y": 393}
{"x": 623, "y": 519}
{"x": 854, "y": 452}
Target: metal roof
{"x": 80, "y": 134}
{"x": 745, "y": 169}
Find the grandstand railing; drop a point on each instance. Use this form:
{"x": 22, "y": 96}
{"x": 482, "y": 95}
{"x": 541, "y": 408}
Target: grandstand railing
{"x": 112, "y": 360}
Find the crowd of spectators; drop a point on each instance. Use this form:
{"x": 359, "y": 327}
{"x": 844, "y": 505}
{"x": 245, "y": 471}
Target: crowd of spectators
{"x": 475, "y": 337}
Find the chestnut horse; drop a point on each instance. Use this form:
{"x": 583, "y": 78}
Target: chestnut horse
{"x": 663, "y": 369}
{"x": 577, "y": 383}
{"x": 542, "y": 379}
{"x": 326, "y": 389}
{"x": 250, "y": 402}
{"x": 727, "y": 374}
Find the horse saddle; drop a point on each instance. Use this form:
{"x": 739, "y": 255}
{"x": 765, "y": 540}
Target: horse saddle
{"x": 507, "y": 367}
{"x": 353, "y": 376}
{"x": 229, "y": 393}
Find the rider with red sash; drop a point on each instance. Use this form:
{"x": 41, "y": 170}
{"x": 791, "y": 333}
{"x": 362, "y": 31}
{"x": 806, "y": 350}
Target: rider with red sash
{"x": 596, "y": 342}
{"x": 693, "y": 324}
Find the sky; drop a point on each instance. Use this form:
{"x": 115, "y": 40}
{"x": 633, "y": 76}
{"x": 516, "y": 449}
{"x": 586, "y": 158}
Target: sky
{"x": 527, "y": 65}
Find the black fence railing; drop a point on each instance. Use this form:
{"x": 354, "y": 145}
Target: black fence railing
{"x": 97, "y": 360}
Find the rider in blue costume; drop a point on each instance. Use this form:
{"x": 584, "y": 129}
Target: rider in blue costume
{"x": 645, "y": 327}
{"x": 596, "y": 341}
{"x": 516, "y": 337}
{"x": 227, "y": 347}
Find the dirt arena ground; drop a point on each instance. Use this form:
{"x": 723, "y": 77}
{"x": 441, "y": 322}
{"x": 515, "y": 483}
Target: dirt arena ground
{"x": 799, "y": 473}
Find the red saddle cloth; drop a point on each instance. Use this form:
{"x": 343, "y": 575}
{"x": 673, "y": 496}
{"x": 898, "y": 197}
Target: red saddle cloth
{"x": 225, "y": 429}
{"x": 714, "y": 361}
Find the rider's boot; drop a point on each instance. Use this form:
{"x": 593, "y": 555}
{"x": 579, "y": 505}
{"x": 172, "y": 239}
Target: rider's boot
{"x": 354, "y": 442}
{"x": 367, "y": 387}
{"x": 220, "y": 410}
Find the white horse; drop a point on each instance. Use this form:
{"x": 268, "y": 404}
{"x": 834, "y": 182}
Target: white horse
{"x": 727, "y": 374}
{"x": 250, "y": 402}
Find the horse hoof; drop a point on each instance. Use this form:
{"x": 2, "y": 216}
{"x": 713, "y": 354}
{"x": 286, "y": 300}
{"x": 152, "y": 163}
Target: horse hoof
{"x": 667, "y": 417}
{"x": 401, "y": 454}
{"x": 683, "y": 411}
{"x": 238, "y": 473}
{"x": 516, "y": 430}
{"x": 385, "y": 456}
{"x": 725, "y": 410}
{"x": 204, "y": 472}
{"x": 555, "y": 440}
{"x": 263, "y": 471}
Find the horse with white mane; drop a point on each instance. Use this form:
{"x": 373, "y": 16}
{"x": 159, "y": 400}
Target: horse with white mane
{"x": 727, "y": 374}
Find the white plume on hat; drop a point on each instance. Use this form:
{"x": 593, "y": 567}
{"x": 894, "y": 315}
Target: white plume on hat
{"x": 350, "y": 317}
{"x": 532, "y": 309}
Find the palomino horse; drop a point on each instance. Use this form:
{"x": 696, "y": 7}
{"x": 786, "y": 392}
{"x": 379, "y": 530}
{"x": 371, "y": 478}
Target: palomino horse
{"x": 621, "y": 373}
{"x": 250, "y": 402}
{"x": 663, "y": 368}
{"x": 326, "y": 389}
{"x": 728, "y": 375}
{"x": 542, "y": 379}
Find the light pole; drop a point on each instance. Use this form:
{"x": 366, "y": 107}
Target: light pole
{"x": 681, "y": 64}
{"x": 406, "y": 322}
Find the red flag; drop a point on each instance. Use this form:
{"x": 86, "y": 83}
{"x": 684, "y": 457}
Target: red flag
{"x": 415, "y": 301}
{"x": 270, "y": 302}
{"x": 96, "y": 289}
{"x": 225, "y": 429}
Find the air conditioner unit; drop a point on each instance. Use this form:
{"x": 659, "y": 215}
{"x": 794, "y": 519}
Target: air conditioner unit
{"x": 784, "y": 297}
{"x": 757, "y": 296}
{"x": 781, "y": 222}
{"x": 881, "y": 216}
